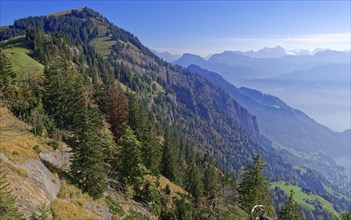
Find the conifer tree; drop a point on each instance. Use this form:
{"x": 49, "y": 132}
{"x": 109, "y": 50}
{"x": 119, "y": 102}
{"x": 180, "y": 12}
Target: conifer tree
{"x": 89, "y": 165}
{"x": 134, "y": 113}
{"x": 150, "y": 147}
{"x": 151, "y": 151}
{"x": 62, "y": 94}
{"x": 8, "y": 209}
{"x": 152, "y": 197}
{"x": 7, "y": 76}
{"x": 184, "y": 210}
{"x": 346, "y": 216}
{"x": 210, "y": 182}
{"x": 193, "y": 182}
{"x": 289, "y": 210}
{"x": 254, "y": 189}
{"x": 43, "y": 212}
{"x": 169, "y": 157}
{"x": 71, "y": 105}
{"x": 130, "y": 157}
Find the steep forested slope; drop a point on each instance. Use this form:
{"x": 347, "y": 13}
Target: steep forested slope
{"x": 303, "y": 133}
{"x": 167, "y": 97}
{"x": 290, "y": 128}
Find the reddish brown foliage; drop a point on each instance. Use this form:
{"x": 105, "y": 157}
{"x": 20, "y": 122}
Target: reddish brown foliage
{"x": 117, "y": 109}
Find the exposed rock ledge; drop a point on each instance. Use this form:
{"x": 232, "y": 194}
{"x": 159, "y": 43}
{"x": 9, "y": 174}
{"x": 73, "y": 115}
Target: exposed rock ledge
{"x": 60, "y": 158}
{"x": 32, "y": 183}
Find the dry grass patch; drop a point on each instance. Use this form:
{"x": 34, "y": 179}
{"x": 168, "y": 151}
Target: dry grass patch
{"x": 176, "y": 190}
{"x": 72, "y": 202}
{"x": 16, "y": 141}
{"x": 64, "y": 210}
{"x": 18, "y": 170}
{"x": 72, "y": 193}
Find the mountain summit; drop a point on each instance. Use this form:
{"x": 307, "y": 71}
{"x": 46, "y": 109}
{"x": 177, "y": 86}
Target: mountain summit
{"x": 267, "y": 52}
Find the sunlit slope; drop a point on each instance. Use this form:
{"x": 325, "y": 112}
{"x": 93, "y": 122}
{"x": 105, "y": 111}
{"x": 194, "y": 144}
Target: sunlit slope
{"x": 18, "y": 52}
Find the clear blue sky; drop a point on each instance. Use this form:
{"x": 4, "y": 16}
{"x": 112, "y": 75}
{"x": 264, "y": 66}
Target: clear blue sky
{"x": 209, "y": 27}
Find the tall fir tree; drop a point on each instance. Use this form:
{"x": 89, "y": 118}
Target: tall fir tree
{"x": 184, "y": 210}
{"x": 210, "y": 180}
{"x": 7, "y": 76}
{"x": 193, "y": 183}
{"x": 144, "y": 126}
{"x": 151, "y": 152}
{"x": 130, "y": 158}
{"x": 169, "y": 157}
{"x": 152, "y": 196}
{"x": 89, "y": 165}
{"x": 289, "y": 210}
{"x": 62, "y": 95}
{"x": 151, "y": 149}
{"x": 69, "y": 101}
{"x": 134, "y": 113}
{"x": 8, "y": 208}
{"x": 254, "y": 189}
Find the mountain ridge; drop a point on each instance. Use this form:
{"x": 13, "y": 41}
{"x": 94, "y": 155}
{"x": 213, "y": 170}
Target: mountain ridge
{"x": 166, "y": 56}
{"x": 276, "y": 103}
{"x": 202, "y": 112}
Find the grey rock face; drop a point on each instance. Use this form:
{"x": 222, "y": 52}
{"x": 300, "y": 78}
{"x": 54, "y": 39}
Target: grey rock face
{"x": 60, "y": 158}
{"x": 99, "y": 210}
{"x": 42, "y": 178}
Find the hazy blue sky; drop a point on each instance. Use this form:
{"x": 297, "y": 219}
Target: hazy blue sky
{"x": 209, "y": 27}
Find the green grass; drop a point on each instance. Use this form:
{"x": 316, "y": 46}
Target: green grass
{"x": 132, "y": 46}
{"x": 333, "y": 192}
{"x": 17, "y": 50}
{"x": 300, "y": 196}
{"x": 159, "y": 88}
{"x": 124, "y": 87}
{"x": 102, "y": 28}
{"x": 103, "y": 45}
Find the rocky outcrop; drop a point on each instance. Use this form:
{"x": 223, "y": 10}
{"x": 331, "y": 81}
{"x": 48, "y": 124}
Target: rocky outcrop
{"x": 101, "y": 211}
{"x": 60, "y": 158}
{"x": 42, "y": 178}
{"x": 32, "y": 184}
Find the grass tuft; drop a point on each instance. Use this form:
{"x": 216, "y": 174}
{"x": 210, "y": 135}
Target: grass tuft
{"x": 64, "y": 210}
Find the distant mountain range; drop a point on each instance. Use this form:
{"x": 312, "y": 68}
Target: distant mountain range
{"x": 166, "y": 56}
{"x": 237, "y": 66}
{"x": 301, "y": 80}
{"x": 276, "y": 52}
{"x": 266, "y": 52}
